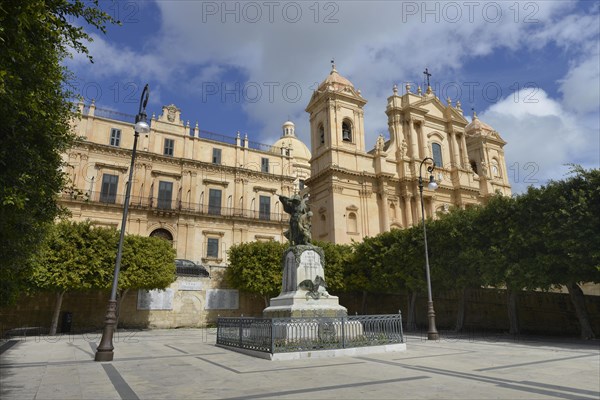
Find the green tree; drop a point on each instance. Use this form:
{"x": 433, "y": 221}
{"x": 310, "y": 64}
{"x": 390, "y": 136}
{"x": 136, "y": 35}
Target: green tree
{"x": 567, "y": 214}
{"x": 337, "y": 257}
{"x": 255, "y": 267}
{"x": 148, "y": 263}
{"x": 456, "y": 254}
{"x": 35, "y": 36}
{"x": 73, "y": 257}
{"x": 76, "y": 256}
{"x": 408, "y": 256}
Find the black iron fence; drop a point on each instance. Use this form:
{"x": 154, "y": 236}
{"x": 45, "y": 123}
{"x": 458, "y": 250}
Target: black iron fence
{"x": 281, "y": 335}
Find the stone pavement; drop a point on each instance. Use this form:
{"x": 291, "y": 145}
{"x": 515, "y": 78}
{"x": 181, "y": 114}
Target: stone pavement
{"x": 185, "y": 364}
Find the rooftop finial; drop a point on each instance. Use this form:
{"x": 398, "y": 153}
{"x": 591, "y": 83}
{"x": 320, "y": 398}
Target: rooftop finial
{"x": 449, "y": 101}
{"x": 333, "y": 64}
{"x": 474, "y": 113}
{"x": 407, "y": 87}
{"x": 419, "y": 91}
{"x": 395, "y": 89}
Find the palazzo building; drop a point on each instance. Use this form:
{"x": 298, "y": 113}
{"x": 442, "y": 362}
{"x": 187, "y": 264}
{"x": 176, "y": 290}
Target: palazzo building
{"x": 202, "y": 191}
{"x": 357, "y": 192}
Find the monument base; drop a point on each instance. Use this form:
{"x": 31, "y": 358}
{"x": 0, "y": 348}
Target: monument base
{"x": 297, "y": 305}
{"x": 302, "y": 294}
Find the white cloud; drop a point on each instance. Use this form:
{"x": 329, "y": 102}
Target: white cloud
{"x": 581, "y": 85}
{"x": 542, "y": 137}
{"x": 375, "y": 44}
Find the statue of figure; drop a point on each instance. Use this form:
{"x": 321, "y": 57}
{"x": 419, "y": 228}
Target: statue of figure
{"x": 380, "y": 144}
{"x": 297, "y": 207}
{"x": 404, "y": 148}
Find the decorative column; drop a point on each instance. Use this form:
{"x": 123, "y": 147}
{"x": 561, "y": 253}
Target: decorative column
{"x": 408, "y": 211}
{"x": 414, "y": 150}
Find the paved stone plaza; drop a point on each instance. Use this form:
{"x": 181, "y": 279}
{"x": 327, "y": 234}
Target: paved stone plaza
{"x": 186, "y": 364}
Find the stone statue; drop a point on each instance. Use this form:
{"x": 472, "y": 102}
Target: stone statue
{"x": 297, "y": 207}
{"x": 380, "y": 144}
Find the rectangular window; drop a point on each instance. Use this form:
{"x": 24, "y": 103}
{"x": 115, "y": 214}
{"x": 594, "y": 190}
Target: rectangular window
{"x": 212, "y": 248}
{"x": 169, "y": 145}
{"x": 108, "y": 191}
{"x": 165, "y": 193}
{"x": 264, "y": 164}
{"x": 214, "y": 201}
{"x": 264, "y": 208}
{"x": 115, "y": 137}
{"x": 216, "y": 156}
{"x": 436, "y": 148}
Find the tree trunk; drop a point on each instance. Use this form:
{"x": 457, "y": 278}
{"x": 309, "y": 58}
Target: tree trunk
{"x": 57, "y": 306}
{"x": 266, "y": 299}
{"x": 460, "y": 316}
{"x": 120, "y": 299}
{"x": 578, "y": 301}
{"x": 411, "y": 318}
{"x": 513, "y": 318}
{"x": 363, "y": 307}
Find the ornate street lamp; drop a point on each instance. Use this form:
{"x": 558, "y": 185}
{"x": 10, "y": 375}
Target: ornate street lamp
{"x": 432, "y": 333}
{"x": 104, "y": 351}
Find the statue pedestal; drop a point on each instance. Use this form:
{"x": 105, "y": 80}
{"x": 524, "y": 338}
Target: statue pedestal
{"x": 300, "y": 264}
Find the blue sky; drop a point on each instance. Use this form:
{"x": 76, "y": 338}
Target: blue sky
{"x": 531, "y": 69}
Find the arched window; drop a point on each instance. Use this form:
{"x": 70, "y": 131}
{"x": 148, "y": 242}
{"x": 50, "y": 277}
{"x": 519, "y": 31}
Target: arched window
{"x": 436, "y": 149}
{"x": 346, "y": 131}
{"x": 321, "y": 134}
{"x": 162, "y": 233}
{"x": 352, "y": 223}
{"x": 473, "y": 166}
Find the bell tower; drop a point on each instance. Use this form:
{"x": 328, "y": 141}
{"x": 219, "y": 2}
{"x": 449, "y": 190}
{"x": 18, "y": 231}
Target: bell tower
{"x": 337, "y": 143}
{"x": 336, "y": 116}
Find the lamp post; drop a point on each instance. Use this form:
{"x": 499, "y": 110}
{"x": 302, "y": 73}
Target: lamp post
{"x": 432, "y": 333}
{"x": 104, "y": 352}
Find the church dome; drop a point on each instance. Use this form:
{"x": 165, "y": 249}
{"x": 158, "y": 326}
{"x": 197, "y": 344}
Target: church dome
{"x": 477, "y": 125}
{"x": 288, "y": 140}
{"x": 336, "y": 80}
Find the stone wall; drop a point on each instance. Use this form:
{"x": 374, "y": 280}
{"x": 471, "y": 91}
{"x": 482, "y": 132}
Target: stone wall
{"x": 485, "y": 310}
{"x": 188, "y": 308}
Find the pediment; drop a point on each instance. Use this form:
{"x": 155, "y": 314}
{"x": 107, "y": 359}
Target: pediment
{"x": 433, "y": 107}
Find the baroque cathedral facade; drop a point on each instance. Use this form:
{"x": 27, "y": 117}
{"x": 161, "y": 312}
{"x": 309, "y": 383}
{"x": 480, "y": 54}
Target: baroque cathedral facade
{"x": 357, "y": 192}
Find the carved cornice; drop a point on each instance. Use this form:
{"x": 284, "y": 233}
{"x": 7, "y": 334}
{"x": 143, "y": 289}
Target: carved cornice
{"x": 156, "y": 172}
{"x": 264, "y": 189}
{"x": 215, "y": 182}
{"x": 100, "y": 165}
{"x": 213, "y": 233}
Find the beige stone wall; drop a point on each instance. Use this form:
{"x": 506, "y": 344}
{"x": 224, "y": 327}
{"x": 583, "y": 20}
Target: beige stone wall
{"x": 89, "y": 309}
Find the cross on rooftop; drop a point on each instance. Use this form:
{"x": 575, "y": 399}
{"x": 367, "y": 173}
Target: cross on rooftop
{"x": 427, "y": 74}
